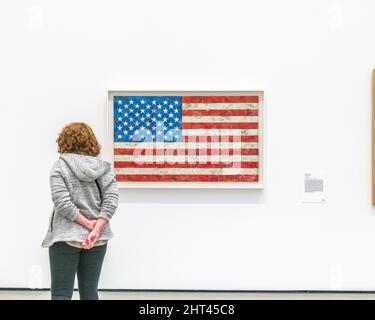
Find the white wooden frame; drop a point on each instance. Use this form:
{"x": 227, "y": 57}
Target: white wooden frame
{"x": 187, "y": 185}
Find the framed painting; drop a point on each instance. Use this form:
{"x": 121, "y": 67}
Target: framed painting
{"x": 373, "y": 139}
{"x": 186, "y": 139}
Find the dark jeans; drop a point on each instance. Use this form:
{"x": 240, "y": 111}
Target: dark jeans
{"x": 66, "y": 261}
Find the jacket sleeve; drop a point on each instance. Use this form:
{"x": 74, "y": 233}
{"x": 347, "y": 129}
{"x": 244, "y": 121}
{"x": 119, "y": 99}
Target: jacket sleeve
{"x": 110, "y": 196}
{"x": 61, "y": 195}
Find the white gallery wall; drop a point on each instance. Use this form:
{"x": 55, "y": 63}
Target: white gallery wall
{"x": 313, "y": 59}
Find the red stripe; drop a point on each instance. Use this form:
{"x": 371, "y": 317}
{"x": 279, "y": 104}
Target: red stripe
{"x": 220, "y": 138}
{"x": 212, "y": 139}
{"x": 187, "y": 178}
{"x": 223, "y": 113}
{"x": 129, "y": 164}
{"x": 182, "y": 152}
{"x": 220, "y": 99}
{"x": 219, "y": 125}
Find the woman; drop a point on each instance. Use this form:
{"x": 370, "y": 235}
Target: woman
{"x": 85, "y": 197}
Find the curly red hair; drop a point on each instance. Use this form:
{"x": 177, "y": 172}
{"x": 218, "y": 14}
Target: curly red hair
{"x": 79, "y": 138}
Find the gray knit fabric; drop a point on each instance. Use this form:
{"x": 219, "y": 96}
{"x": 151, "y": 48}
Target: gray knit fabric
{"x": 74, "y": 190}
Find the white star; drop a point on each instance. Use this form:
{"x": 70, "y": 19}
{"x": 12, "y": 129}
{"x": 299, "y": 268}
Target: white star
{"x": 142, "y": 136}
{"x": 142, "y": 101}
{"x": 131, "y": 119}
{"x": 176, "y": 102}
{"x": 136, "y": 123}
{"x": 131, "y": 127}
{"x": 148, "y": 106}
{"x": 148, "y": 124}
{"x": 171, "y": 106}
{"x": 131, "y": 101}
{"x": 159, "y": 106}
{"x": 153, "y": 102}
{"x": 131, "y": 110}
{"x": 119, "y": 118}
{"x": 142, "y": 110}
{"x": 165, "y": 101}
{"x": 165, "y": 128}
{"x": 126, "y": 114}
{"x": 120, "y": 110}
{"x": 126, "y": 105}
{"x": 175, "y": 111}
{"x": 119, "y": 136}
{"x": 119, "y": 127}
{"x": 176, "y": 119}
{"x": 170, "y": 124}
{"x": 153, "y": 119}
{"x": 159, "y": 124}
{"x": 159, "y": 132}
{"x": 148, "y": 115}
{"x": 171, "y": 115}
{"x": 125, "y": 123}
{"x": 136, "y": 131}
{"x": 137, "y": 105}
{"x": 142, "y": 128}
{"x": 125, "y": 132}
{"x": 119, "y": 101}
{"x": 137, "y": 114}
{"x": 143, "y": 118}
{"x": 165, "y": 119}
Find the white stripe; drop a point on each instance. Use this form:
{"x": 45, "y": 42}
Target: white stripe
{"x": 219, "y": 132}
{"x": 195, "y": 171}
{"x": 185, "y": 145}
{"x": 186, "y": 158}
{"x": 221, "y": 119}
{"x": 219, "y": 106}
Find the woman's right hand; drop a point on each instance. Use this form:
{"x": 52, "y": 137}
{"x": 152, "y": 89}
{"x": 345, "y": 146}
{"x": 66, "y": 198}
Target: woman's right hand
{"x": 91, "y": 239}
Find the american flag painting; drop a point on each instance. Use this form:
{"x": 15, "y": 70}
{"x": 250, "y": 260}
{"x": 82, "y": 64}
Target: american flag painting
{"x": 187, "y": 138}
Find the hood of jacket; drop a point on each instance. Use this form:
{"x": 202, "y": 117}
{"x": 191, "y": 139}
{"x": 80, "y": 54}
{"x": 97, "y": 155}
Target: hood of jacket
{"x": 86, "y": 168}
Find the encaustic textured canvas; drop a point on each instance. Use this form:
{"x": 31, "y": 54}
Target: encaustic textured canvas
{"x": 200, "y": 139}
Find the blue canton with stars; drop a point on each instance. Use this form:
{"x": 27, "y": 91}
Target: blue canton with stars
{"x": 147, "y": 119}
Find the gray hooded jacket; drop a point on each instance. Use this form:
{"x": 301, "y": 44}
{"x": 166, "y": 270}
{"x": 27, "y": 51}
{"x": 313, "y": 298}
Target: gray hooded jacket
{"x": 80, "y": 184}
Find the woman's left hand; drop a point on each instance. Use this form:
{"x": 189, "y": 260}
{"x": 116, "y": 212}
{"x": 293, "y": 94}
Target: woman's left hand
{"x": 91, "y": 239}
